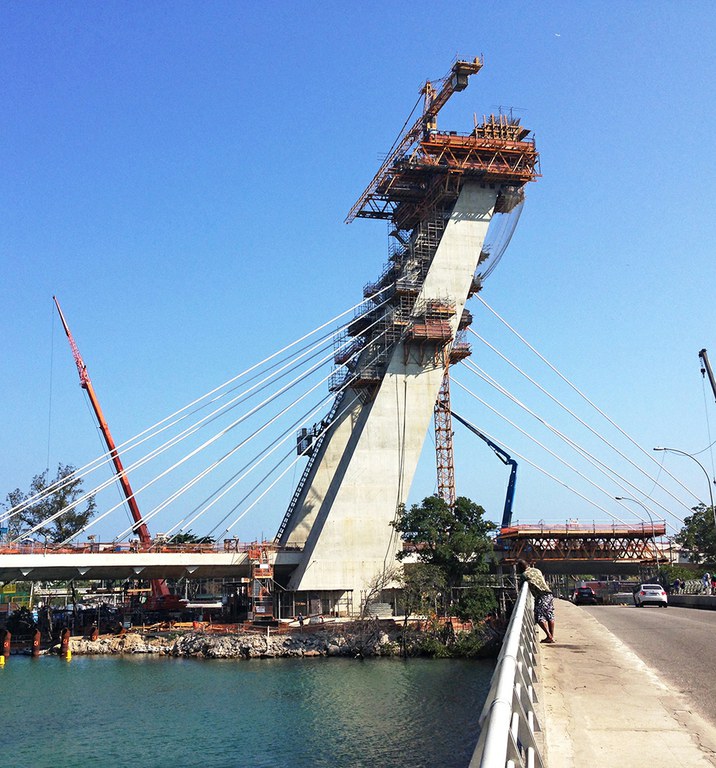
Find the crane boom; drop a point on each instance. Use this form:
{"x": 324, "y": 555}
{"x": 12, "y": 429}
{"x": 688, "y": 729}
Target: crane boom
{"x": 161, "y": 595}
{"x": 706, "y": 369}
{"x": 140, "y": 526}
{"x": 506, "y": 459}
{"x": 455, "y": 80}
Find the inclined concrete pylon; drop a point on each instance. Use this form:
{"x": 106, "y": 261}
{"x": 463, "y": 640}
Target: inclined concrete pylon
{"x": 365, "y": 465}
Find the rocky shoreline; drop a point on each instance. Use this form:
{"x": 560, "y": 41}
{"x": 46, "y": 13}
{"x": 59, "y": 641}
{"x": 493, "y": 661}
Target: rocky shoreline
{"x": 348, "y": 641}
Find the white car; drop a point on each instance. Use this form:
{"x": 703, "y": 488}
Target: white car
{"x": 650, "y": 594}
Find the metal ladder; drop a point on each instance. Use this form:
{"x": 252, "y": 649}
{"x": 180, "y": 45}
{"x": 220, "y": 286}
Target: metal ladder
{"x": 307, "y": 469}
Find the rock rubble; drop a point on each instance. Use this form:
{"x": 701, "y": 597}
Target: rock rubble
{"x": 196, "y": 644}
{"x": 350, "y": 640}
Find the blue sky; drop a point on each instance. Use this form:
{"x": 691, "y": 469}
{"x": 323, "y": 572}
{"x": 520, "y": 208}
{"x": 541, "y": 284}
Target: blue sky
{"x": 178, "y": 175}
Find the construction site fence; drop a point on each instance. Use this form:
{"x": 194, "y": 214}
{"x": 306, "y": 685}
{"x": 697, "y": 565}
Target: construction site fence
{"x": 508, "y": 722}
{"x": 311, "y": 625}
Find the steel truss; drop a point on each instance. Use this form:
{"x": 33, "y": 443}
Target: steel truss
{"x": 595, "y": 544}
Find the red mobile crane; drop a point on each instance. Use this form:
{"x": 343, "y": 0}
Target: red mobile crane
{"x": 161, "y": 597}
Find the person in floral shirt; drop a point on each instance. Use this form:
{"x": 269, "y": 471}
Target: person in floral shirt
{"x": 544, "y": 601}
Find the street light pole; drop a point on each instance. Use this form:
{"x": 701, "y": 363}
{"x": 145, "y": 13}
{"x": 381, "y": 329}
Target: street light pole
{"x": 651, "y": 520}
{"x": 703, "y": 468}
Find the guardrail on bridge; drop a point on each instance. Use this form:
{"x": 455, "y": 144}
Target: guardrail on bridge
{"x": 508, "y": 721}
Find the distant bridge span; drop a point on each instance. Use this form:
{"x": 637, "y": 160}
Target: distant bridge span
{"x": 573, "y": 548}
{"x": 37, "y": 564}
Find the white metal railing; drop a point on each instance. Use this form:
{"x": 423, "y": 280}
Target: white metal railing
{"x": 508, "y": 721}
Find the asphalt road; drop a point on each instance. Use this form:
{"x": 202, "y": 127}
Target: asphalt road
{"x": 679, "y": 644}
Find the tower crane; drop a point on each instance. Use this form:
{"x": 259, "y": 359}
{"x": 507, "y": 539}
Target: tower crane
{"x": 372, "y": 203}
{"x": 162, "y": 598}
{"x": 506, "y": 459}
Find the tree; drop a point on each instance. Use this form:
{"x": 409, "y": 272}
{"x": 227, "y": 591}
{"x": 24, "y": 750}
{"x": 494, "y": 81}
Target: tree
{"x": 423, "y": 586}
{"x": 698, "y": 536}
{"x": 475, "y": 602}
{"x": 375, "y": 586}
{"x": 65, "y": 525}
{"x": 453, "y": 540}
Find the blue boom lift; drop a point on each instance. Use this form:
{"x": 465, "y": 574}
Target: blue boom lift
{"x": 506, "y": 459}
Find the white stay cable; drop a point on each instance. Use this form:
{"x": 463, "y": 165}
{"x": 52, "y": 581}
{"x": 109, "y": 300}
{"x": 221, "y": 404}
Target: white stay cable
{"x": 228, "y": 455}
{"x": 273, "y": 446}
{"x": 196, "y": 479}
{"x": 193, "y": 453}
{"x": 100, "y": 460}
{"x": 585, "y": 398}
{"x": 346, "y": 385}
{"x": 606, "y": 470}
{"x": 157, "y": 451}
{"x": 599, "y": 465}
{"x": 288, "y": 433}
{"x": 283, "y": 474}
{"x": 188, "y": 431}
{"x": 261, "y": 481}
{"x": 583, "y": 423}
{"x": 553, "y": 454}
{"x": 248, "y": 468}
{"x": 306, "y": 353}
{"x": 191, "y": 483}
{"x": 513, "y": 452}
{"x": 318, "y": 435}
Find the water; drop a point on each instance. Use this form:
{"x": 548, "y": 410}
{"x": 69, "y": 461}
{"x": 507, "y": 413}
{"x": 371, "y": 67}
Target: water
{"x": 141, "y": 712}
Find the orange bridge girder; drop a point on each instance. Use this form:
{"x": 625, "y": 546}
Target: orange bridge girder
{"x": 586, "y": 544}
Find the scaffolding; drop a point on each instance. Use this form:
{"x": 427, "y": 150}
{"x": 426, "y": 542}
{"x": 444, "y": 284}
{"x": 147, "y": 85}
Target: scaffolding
{"x": 444, "y": 444}
{"x": 583, "y": 544}
{"x": 262, "y": 583}
{"x": 497, "y": 153}
{"x": 460, "y": 349}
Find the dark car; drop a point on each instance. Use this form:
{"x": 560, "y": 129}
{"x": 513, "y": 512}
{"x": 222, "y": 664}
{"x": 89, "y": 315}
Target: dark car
{"x": 584, "y": 596}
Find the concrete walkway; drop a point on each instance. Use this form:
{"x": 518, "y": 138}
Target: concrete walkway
{"x": 602, "y": 706}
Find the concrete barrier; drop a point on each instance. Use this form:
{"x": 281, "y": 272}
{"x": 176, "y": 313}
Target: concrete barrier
{"x": 702, "y": 602}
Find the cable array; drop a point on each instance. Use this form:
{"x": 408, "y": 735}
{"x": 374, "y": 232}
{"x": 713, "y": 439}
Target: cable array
{"x": 600, "y": 446}
{"x": 215, "y": 459}
{"x": 237, "y": 411}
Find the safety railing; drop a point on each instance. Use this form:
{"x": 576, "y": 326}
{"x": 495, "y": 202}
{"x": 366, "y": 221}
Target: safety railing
{"x": 133, "y": 547}
{"x": 508, "y": 721}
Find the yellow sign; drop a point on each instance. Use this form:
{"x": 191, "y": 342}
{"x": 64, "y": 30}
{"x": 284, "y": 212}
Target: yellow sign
{"x": 9, "y": 589}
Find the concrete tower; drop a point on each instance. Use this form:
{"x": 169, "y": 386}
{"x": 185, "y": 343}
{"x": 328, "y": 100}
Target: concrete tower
{"x": 440, "y": 191}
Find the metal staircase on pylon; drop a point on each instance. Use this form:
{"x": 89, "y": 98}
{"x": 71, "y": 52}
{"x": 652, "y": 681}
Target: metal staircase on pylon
{"x": 315, "y": 450}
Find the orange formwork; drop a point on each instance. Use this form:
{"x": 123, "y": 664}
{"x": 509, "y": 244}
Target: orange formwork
{"x": 571, "y": 542}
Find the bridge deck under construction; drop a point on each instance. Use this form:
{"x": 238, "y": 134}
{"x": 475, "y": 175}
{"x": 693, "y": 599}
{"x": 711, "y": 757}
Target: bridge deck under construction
{"x": 601, "y": 545}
